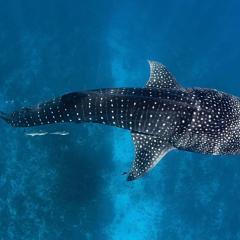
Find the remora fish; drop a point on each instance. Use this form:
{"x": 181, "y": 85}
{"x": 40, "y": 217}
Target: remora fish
{"x": 63, "y": 133}
{"x": 161, "y": 117}
{"x": 33, "y": 134}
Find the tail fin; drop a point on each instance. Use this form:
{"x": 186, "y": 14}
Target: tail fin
{"x": 4, "y": 116}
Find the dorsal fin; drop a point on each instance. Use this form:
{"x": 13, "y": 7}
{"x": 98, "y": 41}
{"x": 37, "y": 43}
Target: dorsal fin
{"x": 160, "y": 77}
{"x": 149, "y": 150}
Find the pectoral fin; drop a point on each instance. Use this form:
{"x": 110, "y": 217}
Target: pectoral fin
{"x": 149, "y": 150}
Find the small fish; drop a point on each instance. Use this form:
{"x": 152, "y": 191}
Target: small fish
{"x": 63, "y": 133}
{"x": 34, "y": 134}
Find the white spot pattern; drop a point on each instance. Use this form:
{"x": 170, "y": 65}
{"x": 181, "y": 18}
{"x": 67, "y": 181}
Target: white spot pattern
{"x": 162, "y": 116}
{"x": 160, "y": 77}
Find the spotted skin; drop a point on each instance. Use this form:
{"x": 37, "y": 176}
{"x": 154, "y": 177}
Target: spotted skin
{"x": 139, "y": 110}
{"x": 161, "y": 117}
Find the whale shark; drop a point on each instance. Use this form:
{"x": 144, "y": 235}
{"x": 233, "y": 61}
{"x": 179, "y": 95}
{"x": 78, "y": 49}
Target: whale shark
{"x": 161, "y": 117}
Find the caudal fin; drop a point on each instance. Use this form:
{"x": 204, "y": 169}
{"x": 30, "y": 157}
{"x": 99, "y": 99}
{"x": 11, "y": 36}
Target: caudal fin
{"x": 4, "y": 116}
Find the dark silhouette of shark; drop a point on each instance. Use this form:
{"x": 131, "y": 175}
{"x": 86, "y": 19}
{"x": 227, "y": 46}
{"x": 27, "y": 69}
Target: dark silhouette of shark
{"x": 162, "y": 116}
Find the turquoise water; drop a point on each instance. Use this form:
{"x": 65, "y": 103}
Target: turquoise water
{"x": 72, "y": 187}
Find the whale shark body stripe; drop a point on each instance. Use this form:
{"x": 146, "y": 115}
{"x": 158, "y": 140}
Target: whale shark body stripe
{"x": 161, "y": 117}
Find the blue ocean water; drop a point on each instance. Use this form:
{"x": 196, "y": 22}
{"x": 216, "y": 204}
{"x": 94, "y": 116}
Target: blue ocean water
{"x": 72, "y": 187}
